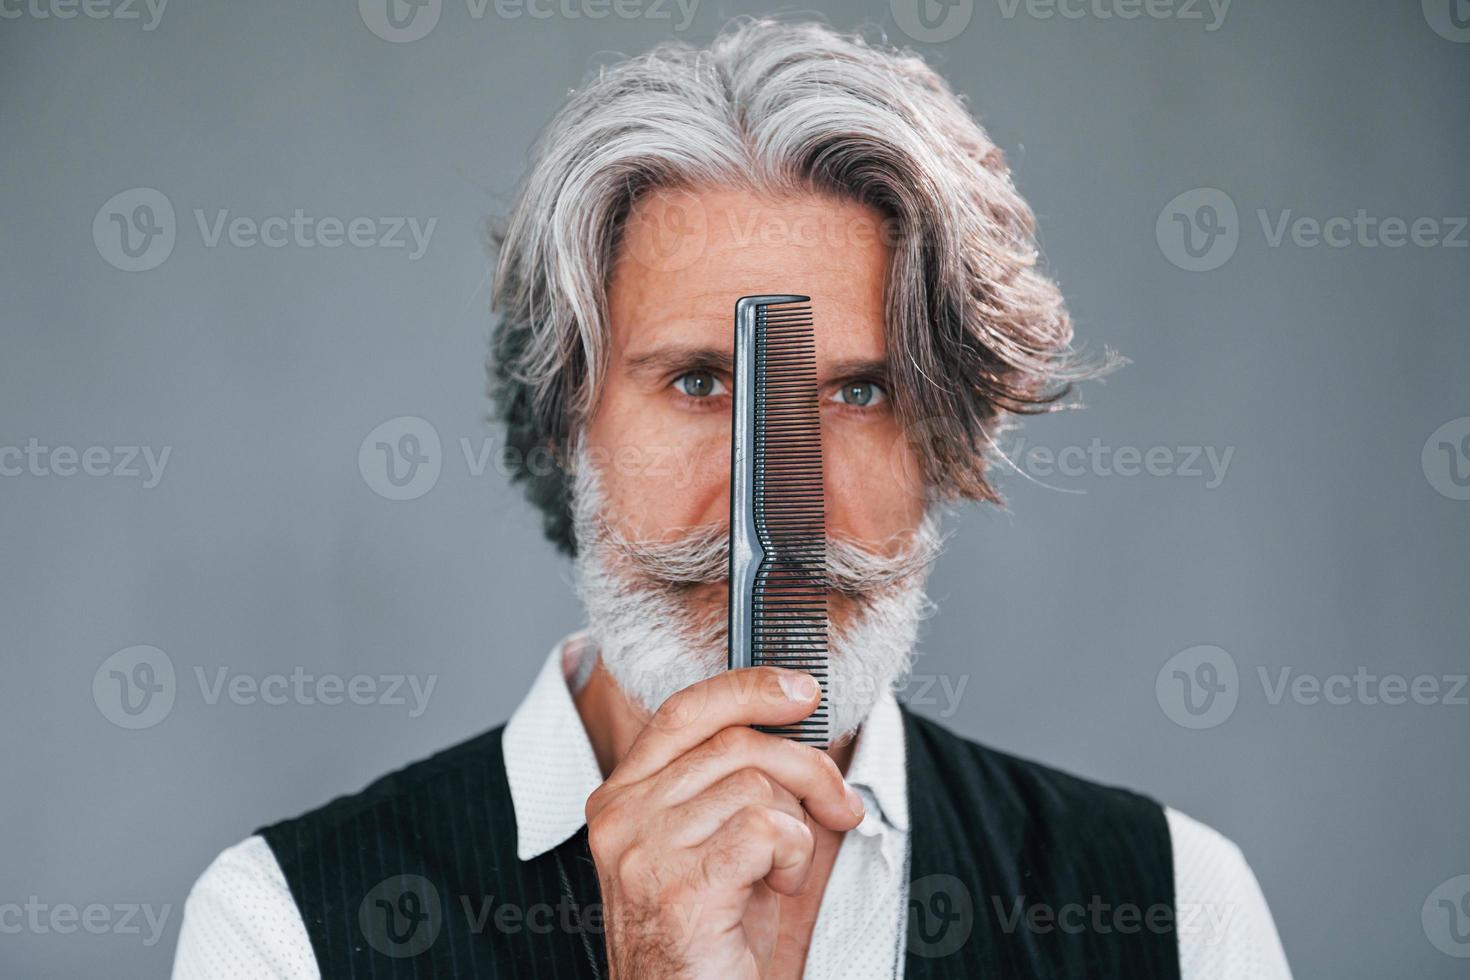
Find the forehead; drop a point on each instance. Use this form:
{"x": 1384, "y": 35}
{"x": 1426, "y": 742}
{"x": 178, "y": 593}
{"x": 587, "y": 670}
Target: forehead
{"x": 686, "y": 256}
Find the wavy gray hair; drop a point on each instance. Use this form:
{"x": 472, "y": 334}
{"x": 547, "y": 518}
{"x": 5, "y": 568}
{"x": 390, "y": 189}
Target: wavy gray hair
{"x": 976, "y": 332}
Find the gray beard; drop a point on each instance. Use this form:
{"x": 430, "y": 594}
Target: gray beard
{"x": 653, "y": 643}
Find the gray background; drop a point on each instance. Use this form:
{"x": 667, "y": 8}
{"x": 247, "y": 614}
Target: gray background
{"x": 1326, "y": 548}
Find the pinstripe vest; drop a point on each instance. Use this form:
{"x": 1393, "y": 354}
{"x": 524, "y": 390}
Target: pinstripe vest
{"x": 1017, "y": 870}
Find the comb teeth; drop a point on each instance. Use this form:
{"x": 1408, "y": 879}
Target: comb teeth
{"x": 779, "y": 503}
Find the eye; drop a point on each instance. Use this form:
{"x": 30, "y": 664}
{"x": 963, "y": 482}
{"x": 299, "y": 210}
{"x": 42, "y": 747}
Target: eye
{"x": 860, "y": 394}
{"x": 699, "y": 384}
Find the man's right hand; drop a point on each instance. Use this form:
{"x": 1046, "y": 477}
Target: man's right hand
{"x": 706, "y": 823}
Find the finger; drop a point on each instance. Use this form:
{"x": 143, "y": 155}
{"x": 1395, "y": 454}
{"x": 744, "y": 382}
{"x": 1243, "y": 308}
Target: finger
{"x": 694, "y": 821}
{"x": 758, "y": 843}
{"x": 806, "y": 772}
{"x": 750, "y": 696}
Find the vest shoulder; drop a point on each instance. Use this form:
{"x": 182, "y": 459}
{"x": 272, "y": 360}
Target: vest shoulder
{"x": 1022, "y": 783}
{"x": 475, "y": 765}
{"x": 1019, "y": 836}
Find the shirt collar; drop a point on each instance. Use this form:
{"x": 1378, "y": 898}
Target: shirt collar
{"x": 880, "y": 761}
{"x": 549, "y": 761}
{"x": 551, "y": 768}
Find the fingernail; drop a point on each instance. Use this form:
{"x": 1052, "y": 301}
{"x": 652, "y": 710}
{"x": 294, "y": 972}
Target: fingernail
{"x": 854, "y": 801}
{"x": 798, "y": 685}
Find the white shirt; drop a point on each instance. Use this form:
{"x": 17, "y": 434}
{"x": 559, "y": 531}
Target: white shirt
{"x": 240, "y": 919}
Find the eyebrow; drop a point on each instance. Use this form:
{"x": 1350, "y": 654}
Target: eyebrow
{"x": 661, "y": 361}
{"x": 654, "y": 364}
{"x": 859, "y": 367}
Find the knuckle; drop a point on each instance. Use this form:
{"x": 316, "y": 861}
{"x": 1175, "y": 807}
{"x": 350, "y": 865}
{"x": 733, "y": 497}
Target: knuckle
{"x": 678, "y": 710}
{"x": 608, "y": 814}
{"x": 599, "y": 836}
{"x": 637, "y": 872}
{"x": 629, "y": 864}
{"x": 732, "y": 740}
{"x": 754, "y": 784}
{"x": 606, "y": 827}
{"x": 596, "y": 802}
{"x": 758, "y": 820}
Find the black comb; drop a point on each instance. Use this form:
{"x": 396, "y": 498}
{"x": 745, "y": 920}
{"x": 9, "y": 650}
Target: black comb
{"x": 778, "y": 534}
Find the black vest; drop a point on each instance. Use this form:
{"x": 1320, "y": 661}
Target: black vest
{"x": 1017, "y": 871}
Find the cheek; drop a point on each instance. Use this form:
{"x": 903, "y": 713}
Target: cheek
{"x": 872, "y": 479}
{"x": 661, "y": 469}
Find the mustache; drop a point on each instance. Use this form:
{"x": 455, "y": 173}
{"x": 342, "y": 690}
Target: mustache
{"x": 700, "y": 555}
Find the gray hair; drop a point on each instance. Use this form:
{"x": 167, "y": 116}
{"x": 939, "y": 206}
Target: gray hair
{"x": 976, "y": 332}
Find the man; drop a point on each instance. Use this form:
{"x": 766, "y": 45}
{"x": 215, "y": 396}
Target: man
{"x": 629, "y": 821}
